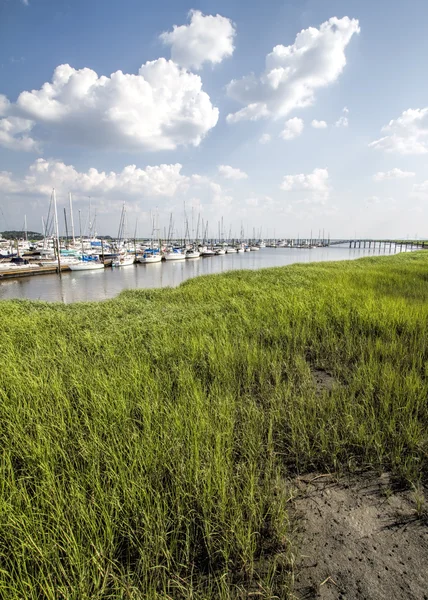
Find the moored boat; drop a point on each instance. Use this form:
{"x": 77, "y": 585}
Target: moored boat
{"x": 126, "y": 260}
{"x": 86, "y": 264}
{"x": 149, "y": 257}
{"x": 174, "y": 254}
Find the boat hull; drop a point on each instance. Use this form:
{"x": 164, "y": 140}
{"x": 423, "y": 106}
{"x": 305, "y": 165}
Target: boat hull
{"x": 147, "y": 260}
{"x": 86, "y": 266}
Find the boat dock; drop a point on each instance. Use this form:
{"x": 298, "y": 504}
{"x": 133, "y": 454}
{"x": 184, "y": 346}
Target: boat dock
{"x": 27, "y": 271}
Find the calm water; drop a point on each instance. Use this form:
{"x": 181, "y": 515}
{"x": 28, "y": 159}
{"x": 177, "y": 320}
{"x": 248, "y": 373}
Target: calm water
{"x": 100, "y": 285}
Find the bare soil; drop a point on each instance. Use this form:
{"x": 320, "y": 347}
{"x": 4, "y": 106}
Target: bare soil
{"x": 362, "y": 538}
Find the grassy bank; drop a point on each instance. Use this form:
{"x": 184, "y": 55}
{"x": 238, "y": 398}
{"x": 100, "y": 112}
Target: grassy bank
{"x": 146, "y": 440}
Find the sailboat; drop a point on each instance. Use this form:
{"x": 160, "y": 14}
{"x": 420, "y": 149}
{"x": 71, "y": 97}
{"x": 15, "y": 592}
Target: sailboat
{"x": 123, "y": 259}
{"x": 85, "y": 262}
{"x": 171, "y": 253}
{"x": 152, "y": 254}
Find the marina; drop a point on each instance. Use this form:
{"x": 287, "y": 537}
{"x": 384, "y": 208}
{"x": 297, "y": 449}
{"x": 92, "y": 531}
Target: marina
{"x": 105, "y": 283}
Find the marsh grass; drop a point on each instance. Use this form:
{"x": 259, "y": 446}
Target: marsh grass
{"x": 146, "y": 440}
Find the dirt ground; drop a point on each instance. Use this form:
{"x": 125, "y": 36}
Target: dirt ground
{"x": 361, "y": 538}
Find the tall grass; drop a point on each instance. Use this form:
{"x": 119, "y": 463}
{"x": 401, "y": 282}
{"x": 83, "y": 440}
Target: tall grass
{"x": 147, "y": 440}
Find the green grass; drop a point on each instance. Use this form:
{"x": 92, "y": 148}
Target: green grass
{"x": 147, "y": 440}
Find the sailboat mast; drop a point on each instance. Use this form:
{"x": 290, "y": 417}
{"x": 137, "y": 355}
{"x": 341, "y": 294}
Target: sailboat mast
{"x": 71, "y": 217}
{"x": 80, "y": 227}
{"x": 57, "y": 232}
{"x": 25, "y": 228}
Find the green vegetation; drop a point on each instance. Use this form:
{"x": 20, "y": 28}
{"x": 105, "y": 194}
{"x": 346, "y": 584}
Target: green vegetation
{"x": 20, "y": 235}
{"x": 147, "y": 440}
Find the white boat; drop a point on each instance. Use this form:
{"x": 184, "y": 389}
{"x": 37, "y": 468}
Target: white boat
{"x": 247, "y": 249}
{"x": 254, "y": 248}
{"x": 123, "y": 261}
{"x": 220, "y": 251}
{"x": 240, "y": 249}
{"x": 174, "y": 254}
{"x": 192, "y": 254}
{"x": 206, "y": 251}
{"x": 86, "y": 265}
{"x": 261, "y": 244}
{"x": 150, "y": 257}
{"x": 230, "y": 250}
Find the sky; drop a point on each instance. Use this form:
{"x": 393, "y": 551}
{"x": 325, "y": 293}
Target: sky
{"x": 284, "y": 117}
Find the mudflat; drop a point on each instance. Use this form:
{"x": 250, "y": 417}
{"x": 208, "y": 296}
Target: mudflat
{"x": 361, "y": 537}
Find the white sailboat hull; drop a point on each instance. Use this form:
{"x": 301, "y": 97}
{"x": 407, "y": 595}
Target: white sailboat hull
{"x": 174, "y": 256}
{"x": 147, "y": 260}
{"x": 86, "y": 266}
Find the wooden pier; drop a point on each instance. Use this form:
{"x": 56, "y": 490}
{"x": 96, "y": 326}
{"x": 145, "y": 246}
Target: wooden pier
{"x": 29, "y": 271}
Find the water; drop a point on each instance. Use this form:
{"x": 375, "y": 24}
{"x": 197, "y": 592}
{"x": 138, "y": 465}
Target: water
{"x": 100, "y": 285}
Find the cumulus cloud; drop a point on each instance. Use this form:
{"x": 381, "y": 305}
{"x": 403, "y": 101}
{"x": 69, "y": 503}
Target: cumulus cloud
{"x": 393, "y": 174}
{"x": 43, "y": 175}
{"x": 294, "y": 73}
{"x": 318, "y": 124}
{"x": 406, "y": 135}
{"x": 206, "y": 38}
{"x": 160, "y": 108}
{"x": 265, "y": 138}
{"x": 14, "y": 134}
{"x": 231, "y": 173}
{"x": 293, "y": 128}
{"x": 315, "y": 183}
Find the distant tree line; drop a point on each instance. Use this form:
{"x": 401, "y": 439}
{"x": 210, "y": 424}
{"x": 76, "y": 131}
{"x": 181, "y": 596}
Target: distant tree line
{"x": 19, "y": 235}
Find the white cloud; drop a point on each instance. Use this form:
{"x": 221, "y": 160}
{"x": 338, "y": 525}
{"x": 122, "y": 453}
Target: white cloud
{"x": 393, "y": 174}
{"x": 207, "y": 38}
{"x": 160, "y": 108}
{"x": 343, "y": 120}
{"x": 293, "y": 128}
{"x": 293, "y": 73}
{"x": 265, "y": 138}
{"x": 25, "y": 2}
{"x": 406, "y": 135}
{"x": 43, "y": 175}
{"x": 316, "y": 183}
{"x": 319, "y": 124}
{"x": 14, "y": 134}
{"x": 231, "y": 173}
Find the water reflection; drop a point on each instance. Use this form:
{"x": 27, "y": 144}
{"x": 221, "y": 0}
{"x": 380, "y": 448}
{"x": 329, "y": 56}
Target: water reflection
{"x": 100, "y": 285}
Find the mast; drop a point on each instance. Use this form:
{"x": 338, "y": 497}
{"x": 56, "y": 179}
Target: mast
{"x": 25, "y": 228}
{"x": 66, "y": 228}
{"x": 71, "y": 217}
{"x": 80, "y": 227}
{"x": 57, "y": 232}
{"x": 44, "y": 233}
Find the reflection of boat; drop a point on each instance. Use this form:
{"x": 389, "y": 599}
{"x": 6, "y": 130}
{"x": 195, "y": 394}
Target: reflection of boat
{"x": 123, "y": 261}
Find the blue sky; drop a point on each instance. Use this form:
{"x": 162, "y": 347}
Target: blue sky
{"x": 161, "y": 137}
